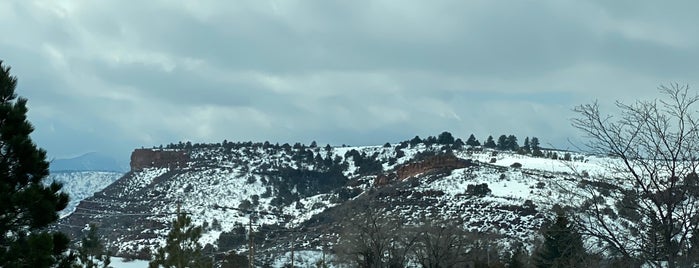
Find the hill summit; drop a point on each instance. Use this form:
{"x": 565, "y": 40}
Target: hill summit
{"x": 299, "y": 198}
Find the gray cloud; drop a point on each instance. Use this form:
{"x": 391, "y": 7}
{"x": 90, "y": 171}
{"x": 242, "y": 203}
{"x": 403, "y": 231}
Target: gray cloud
{"x": 115, "y": 75}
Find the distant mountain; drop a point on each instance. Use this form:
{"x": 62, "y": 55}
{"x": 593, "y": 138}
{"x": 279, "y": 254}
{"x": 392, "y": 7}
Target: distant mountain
{"x": 88, "y": 162}
{"x": 81, "y": 184}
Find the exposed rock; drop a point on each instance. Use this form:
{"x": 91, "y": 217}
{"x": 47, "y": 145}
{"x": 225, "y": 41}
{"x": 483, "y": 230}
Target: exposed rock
{"x": 442, "y": 162}
{"x": 148, "y": 158}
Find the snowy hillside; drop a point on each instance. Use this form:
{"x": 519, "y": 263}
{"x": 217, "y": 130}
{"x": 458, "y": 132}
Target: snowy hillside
{"x": 310, "y": 192}
{"x": 81, "y": 184}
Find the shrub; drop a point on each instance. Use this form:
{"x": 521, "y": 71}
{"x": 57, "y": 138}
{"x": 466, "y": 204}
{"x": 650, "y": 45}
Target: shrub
{"x": 478, "y": 190}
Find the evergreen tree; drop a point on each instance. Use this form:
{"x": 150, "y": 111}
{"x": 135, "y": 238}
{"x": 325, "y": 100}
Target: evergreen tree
{"x": 526, "y": 148}
{"x": 182, "y": 248}
{"x": 563, "y": 246}
{"x": 512, "y": 143}
{"x": 445, "y": 138}
{"x": 472, "y": 141}
{"x": 27, "y": 206}
{"x": 489, "y": 143}
{"x": 502, "y": 143}
{"x": 458, "y": 144}
{"x": 415, "y": 141}
{"x": 536, "y": 150}
{"x": 91, "y": 252}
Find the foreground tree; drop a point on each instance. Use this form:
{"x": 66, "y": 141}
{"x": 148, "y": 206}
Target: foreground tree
{"x": 182, "y": 248}
{"x": 655, "y": 146}
{"x": 92, "y": 252}
{"x": 444, "y": 245}
{"x": 374, "y": 240}
{"x": 563, "y": 246}
{"x": 27, "y": 206}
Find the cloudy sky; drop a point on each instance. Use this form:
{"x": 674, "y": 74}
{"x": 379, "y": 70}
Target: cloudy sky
{"x": 111, "y": 76}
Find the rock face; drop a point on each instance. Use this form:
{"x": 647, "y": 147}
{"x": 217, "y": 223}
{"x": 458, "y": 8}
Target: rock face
{"x": 440, "y": 162}
{"x": 148, "y": 158}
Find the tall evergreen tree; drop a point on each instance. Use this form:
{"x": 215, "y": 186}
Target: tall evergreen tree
{"x": 512, "y": 143}
{"x": 27, "y": 206}
{"x": 490, "y": 143}
{"x": 445, "y": 138}
{"x": 502, "y": 143}
{"x": 472, "y": 141}
{"x": 182, "y": 248}
{"x": 92, "y": 253}
{"x": 563, "y": 246}
{"x": 536, "y": 150}
{"x": 415, "y": 141}
{"x": 526, "y": 147}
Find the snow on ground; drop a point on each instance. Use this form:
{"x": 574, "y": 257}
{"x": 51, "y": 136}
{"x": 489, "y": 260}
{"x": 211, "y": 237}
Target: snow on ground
{"x": 121, "y": 263}
{"x": 81, "y": 184}
{"x": 303, "y": 258}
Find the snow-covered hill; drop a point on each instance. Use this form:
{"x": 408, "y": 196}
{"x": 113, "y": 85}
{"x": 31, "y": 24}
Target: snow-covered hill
{"x": 81, "y": 184}
{"x": 291, "y": 191}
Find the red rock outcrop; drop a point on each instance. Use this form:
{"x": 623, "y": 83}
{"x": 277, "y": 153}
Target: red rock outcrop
{"x": 147, "y": 158}
{"x": 445, "y": 162}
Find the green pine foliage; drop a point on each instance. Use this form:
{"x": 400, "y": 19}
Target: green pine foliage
{"x": 490, "y": 143}
{"x": 472, "y": 141}
{"x": 502, "y": 143}
{"x": 27, "y": 206}
{"x": 526, "y": 147}
{"x": 92, "y": 253}
{"x": 563, "y": 246}
{"x": 536, "y": 150}
{"x": 445, "y": 138}
{"x": 182, "y": 248}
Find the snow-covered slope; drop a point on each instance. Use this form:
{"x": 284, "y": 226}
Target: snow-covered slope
{"x": 289, "y": 190}
{"x": 81, "y": 184}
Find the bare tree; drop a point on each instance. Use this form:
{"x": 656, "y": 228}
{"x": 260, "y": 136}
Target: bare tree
{"x": 645, "y": 207}
{"x": 373, "y": 239}
{"x": 442, "y": 245}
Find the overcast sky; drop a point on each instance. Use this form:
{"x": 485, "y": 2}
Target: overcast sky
{"x": 111, "y": 76}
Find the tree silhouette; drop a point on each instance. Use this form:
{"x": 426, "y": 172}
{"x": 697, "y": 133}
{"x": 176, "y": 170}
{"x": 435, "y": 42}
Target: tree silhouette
{"x": 27, "y": 206}
{"x": 472, "y": 141}
{"x": 656, "y": 144}
{"x": 490, "y": 143}
{"x": 182, "y": 248}
{"x": 563, "y": 246}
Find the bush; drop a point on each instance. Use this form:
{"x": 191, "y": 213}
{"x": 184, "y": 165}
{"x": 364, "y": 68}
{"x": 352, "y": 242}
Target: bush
{"x": 478, "y": 190}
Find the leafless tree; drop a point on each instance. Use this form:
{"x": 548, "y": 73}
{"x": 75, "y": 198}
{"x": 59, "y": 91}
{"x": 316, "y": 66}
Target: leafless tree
{"x": 374, "y": 239}
{"x": 442, "y": 246}
{"x": 645, "y": 207}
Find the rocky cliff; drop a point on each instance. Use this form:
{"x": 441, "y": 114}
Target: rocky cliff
{"x": 442, "y": 162}
{"x": 150, "y": 158}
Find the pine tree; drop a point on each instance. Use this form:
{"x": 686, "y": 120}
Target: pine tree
{"x": 182, "y": 248}
{"x": 445, "y": 138}
{"x": 563, "y": 246}
{"x": 490, "y": 143}
{"x": 526, "y": 147}
{"x": 91, "y": 252}
{"x": 27, "y": 206}
{"x": 512, "y": 143}
{"x": 472, "y": 141}
{"x": 415, "y": 141}
{"x": 502, "y": 143}
{"x": 536, "y": 150}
